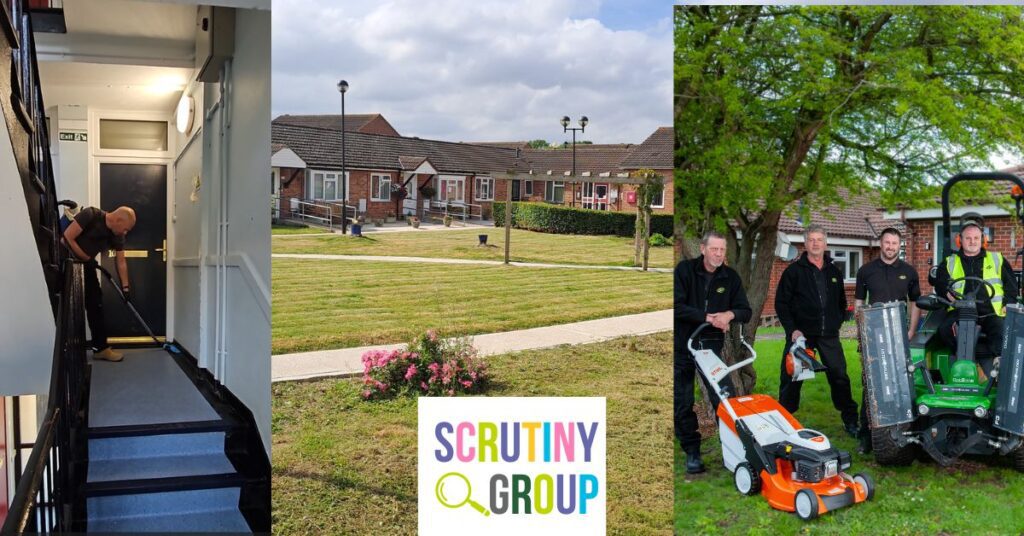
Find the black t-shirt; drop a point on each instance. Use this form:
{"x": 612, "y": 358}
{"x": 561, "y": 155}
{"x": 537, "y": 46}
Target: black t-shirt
{"x": 878, "y": 282}
{"x": 96, "y": 236}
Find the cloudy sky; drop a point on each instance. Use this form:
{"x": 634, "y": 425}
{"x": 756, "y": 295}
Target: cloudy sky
{"x": 464, "y": 70}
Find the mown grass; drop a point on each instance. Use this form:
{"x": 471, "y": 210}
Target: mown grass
{"x": 276, "y": 229}
{"x": 527, "y": 246}
{"x": 974, "y": 496}
{"x": 323, "y": 304}
{"x": 345, "y": 466}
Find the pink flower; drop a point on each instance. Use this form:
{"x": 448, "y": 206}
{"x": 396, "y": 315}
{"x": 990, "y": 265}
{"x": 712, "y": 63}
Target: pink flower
{"x": 411, "y": 372}
{"x": 467, "y": 383}
{"x": 424, "y": 386}
{"x": 432, "y": 335}
{"x": 451, "y": 392}
{"x": 366, "y": 394}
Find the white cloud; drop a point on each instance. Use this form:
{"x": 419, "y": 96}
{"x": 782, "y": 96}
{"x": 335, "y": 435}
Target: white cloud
{"x": 485, "y": 70}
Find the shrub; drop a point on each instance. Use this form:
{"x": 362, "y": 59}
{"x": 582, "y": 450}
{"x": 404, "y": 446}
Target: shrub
{"x": 431, "y": 366}
{"x": 557, "y": 219}
{"x": 659, "y": 240}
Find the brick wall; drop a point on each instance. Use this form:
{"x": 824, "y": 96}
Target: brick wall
{"x": 378, "y": 125}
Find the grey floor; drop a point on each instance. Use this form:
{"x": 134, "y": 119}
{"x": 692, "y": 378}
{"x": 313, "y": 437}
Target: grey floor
{"x": 147, "y": 387}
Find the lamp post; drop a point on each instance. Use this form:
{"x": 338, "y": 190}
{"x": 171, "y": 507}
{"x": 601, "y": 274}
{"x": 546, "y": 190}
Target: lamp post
{"x": 566, "y": 128}
{"x": 342, "y": 88}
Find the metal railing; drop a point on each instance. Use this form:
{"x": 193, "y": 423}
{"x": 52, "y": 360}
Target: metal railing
{"x": 456, "y": 209}
{"x": 324, "y": 213}
{"x": 49, "y": 497}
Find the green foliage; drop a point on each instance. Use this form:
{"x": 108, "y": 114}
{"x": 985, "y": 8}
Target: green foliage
{"x": 775, "y": 103}
{"x": 659, "y": 240}
{"x": 538, "y": 144}
{"x": 557, "y": 219}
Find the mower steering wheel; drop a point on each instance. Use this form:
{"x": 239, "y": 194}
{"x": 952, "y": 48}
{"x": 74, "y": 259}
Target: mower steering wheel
{"x": 990, "y": 289}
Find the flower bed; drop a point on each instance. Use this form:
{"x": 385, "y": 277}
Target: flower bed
{"x": 431, "y": 366}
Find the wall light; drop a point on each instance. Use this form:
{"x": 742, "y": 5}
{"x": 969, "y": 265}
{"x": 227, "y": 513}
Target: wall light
{"x": 185, "y": 114}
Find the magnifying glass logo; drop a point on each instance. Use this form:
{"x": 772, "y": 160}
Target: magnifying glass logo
{"x": 453, "y": 490}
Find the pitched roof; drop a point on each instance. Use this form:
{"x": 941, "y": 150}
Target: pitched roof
{"x": 593, "y": 158}
{"x": 353, "y": 122}
{"x": 503, "y": 144}
{"x": 656, "y": 152}
{"x": 861, "y": 217}
{"x": 321, "y": 148}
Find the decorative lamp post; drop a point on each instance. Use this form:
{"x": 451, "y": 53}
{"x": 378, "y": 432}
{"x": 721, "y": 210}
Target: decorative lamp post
{"x": 566, "y": 128}
{"x": 342, "y": 88}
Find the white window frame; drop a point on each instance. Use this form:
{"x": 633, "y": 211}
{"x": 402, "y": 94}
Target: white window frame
{"x": 328, "y": 176}
{"x": 554, "y": 185}
{"x": 662, "y": 204}
{"x": 479, "y": 186}
{"x": 442, "y": 192}
{"x": 843, "y": 254}
{"x": 375, "y": 186}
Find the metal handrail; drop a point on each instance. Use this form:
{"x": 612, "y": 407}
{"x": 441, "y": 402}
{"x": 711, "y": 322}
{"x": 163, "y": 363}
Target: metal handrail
{"x": 49, "y": 496}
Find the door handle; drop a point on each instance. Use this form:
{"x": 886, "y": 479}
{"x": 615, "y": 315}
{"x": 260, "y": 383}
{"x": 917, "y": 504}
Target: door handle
{"x": 163, "y": 250}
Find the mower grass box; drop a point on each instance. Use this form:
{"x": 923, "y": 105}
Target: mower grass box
{"x": 1009, "y": 414}
{"x": 886, "y": 360}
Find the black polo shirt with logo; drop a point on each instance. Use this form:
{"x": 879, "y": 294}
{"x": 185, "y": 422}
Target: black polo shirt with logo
{"x": 878, "y": 282}
{"x": 96, "y": 236}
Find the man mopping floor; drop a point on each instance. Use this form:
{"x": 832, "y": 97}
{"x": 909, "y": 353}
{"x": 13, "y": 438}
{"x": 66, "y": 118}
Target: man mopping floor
{"x": 92, "y": 231}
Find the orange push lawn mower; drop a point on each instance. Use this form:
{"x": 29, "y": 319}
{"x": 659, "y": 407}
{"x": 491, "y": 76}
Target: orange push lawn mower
{"x": 767, "y": 450}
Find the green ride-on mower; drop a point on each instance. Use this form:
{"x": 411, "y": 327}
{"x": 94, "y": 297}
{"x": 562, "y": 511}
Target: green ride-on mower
{"x": 924, "y": 397}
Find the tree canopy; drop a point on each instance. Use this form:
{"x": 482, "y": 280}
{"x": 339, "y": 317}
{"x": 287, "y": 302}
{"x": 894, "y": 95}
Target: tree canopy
{"x": 778, "y": 103}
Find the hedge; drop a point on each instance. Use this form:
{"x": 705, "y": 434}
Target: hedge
{"x": 559, "y": 219}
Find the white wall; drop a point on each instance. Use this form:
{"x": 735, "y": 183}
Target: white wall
{"x": 71, "y": 165}
{"x": 234, "y": 167}
{"x": 27, "y": 328}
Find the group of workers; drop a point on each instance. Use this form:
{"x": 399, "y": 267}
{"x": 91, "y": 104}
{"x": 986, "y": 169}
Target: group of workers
{"x": 810, "y": 301}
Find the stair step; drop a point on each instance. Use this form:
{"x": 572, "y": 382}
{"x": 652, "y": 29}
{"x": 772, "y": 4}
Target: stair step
{"x": 139, "y": 468}
{"x": 215, "y": 521}
{"x": 195, "y": 510}
{"x": 154, "y": 446}
{"x": 170, "y": 484}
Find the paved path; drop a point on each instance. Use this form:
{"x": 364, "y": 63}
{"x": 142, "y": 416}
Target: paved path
{"x": 399, "y": 227}
{"x": 383, "y": 258}
{"x": 348, "y": 361}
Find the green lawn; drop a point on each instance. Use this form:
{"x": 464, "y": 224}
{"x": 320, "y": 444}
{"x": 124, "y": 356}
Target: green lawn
{"x": 321, "y": 304}
{"x": 975, "y": 496}
{"x": 527, "y": 246}
{"x": 294, "y": 229}
{"x": 345, "y": 466}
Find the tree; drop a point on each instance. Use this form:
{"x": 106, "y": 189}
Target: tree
{"x": 538, "y": 144}
{"x": 645, "y": 193}
{"x": 775, "y": 104}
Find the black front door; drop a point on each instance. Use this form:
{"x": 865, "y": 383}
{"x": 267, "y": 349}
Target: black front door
{"x": 142, "y": 187}
{"x": 515, "y": 190}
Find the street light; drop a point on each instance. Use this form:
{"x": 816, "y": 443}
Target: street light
{"x": 566, "y": 128}
{"x": 342, "y": 88}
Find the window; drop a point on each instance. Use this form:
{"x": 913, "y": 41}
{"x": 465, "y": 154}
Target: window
{"x": 133, "y": 135}
{"x": 324, "y": 185}
{"x": 554, "y": 191}
{"x": 659, "y": 198}
{"x": 451, "y": 188}
{"x": 848, "y": 262}
{"x": 484, "y": 189}
{"x": 380, "y": 187}
{"x": 529, "y": 187}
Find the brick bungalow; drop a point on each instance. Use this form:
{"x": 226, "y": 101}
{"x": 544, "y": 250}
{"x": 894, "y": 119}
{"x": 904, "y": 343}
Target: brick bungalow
{"x": 306, "y": 165}
{"x": 465, "y": 178}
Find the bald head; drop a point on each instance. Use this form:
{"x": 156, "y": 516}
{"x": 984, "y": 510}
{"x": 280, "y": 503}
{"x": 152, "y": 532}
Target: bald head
{"x": 121, "y": 220}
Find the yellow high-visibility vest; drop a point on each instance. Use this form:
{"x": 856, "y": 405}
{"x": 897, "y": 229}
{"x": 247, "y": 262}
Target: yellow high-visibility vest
{"x": 992, "y": 271}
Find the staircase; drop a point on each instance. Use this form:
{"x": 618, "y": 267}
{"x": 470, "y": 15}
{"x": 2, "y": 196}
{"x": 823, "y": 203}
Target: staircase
{"x": 165, "y": 453}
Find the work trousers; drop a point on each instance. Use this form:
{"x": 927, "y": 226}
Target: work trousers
{"x": 684, "y": 371}
{"x": 830, "y": 351}
{"x": 94, "y": 307}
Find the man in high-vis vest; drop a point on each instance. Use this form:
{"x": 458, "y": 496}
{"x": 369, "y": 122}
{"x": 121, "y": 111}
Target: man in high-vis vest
{"x": 974, "y": 260}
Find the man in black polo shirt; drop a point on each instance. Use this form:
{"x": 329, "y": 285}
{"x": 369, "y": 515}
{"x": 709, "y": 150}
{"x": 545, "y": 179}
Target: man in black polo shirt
{"x": 811, "y": 302}
{"x": 885, "y": 279}
{"x": 705, "y": 291}
{"x": 92, "y": 231}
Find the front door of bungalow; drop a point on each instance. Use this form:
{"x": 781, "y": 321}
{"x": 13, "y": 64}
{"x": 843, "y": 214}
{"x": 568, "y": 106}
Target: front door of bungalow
{"x": 4, "y": 499}
{"x": 601, "y": 196}
{"x": 144, "y": 188}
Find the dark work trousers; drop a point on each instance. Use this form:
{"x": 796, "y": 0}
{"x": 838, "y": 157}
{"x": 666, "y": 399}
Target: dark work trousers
{"x": 830, "y": 352}
{"x": 684, "y": 370}
{"x": 991, "y": 326}
{"x": 94, "y": 308}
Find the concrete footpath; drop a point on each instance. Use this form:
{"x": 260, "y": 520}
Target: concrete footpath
{"x": 431, "y": 260}
{"x": 348, "y": 361}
